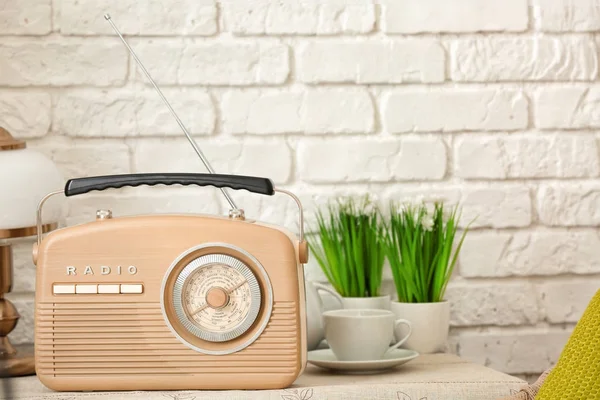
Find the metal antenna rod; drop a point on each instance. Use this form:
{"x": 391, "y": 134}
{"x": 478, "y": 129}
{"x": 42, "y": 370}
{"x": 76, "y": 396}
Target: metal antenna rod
{"x": 173, "y": 113}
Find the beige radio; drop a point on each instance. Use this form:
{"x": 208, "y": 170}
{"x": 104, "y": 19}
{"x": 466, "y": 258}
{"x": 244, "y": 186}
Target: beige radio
{"x": 169, "y": 301}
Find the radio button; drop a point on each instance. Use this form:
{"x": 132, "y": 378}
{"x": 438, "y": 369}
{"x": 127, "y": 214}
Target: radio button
{"x": 86, "y": 289}
{"x": 132, "y": 289}
{"x": 108, "y": 289}
{"x": 63, "y": 289}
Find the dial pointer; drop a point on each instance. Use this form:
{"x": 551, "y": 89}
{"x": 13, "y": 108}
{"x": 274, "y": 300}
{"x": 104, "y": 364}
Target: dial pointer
{"x": 199, "y": 309}
{"x": 236, "y": 287}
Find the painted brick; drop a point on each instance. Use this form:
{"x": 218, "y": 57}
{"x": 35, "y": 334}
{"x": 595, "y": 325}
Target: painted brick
{"x": 420, "y": 159}
{"x": 184, "y": 17}
{"x": 78, "y": 159}
{"x": 567, "y": 15}
{"x": 25, "y": 114}
{"x": 312, "y": 17}
{"x": 492, "y": 304}
{"x": 123, "y": 113}
{"x": 273, "y": 112}
{"x": 248, "y": 157}
{"x": 565, "y": 301}
{"x": 524, "y": 253}
{"x": 496, "y": 207}
{"x": 567, "y": 107}
{"x": 517, "y": 59}
{"x": 514, "y": 351}
{"x": 371, "y": 61}
{"x": 359, "y": 160}
{"x": 213, "y": 63}
{"x": 447, "y": 110}
{"x": 506, "y": 157}
{"x": 62, "y": 62}
{"x": 424, "y": 16}
{"x": 569, "y": 204}
{"x": 26, "y": 17}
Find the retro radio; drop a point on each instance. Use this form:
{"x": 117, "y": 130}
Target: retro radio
{"x": 170, "y": 301}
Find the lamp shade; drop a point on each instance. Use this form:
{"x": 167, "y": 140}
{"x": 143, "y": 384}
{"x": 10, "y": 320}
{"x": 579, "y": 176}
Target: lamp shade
{"x": 26, "y": 176}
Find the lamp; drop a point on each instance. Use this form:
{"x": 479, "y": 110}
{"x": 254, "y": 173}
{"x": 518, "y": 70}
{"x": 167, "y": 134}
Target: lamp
{"x": 25, "y": 177}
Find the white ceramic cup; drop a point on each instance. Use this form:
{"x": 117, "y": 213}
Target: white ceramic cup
{"x": 362, "y": 335}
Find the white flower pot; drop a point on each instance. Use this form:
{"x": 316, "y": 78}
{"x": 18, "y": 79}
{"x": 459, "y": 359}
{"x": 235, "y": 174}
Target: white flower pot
{"x": 377, "y": 303}
{"x": 430, "y": 323}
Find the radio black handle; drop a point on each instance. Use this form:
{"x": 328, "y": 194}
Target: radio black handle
{"x": 236, "y": 182}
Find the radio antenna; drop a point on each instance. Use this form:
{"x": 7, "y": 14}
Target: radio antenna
{"x": 173, "y": 113}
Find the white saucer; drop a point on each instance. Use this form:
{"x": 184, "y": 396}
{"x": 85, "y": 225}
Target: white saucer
{"x": 326, "y": 359}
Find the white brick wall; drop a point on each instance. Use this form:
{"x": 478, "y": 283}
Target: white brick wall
{"x": 300, "y": 111}
{"x": 123, "y": 113}
{"x": 370, "y": 61}
{"x": 493, "y": 104}
{"x": 312, "y": 17}
{"x": 523, "y": 59}
{"x": 569, "y": 155}
{"x": 187, "y": 17}
{"x": 434, "y": 109}
{"x": 431, "y": 16}
{"x": 61, "y": 61}
{"x": 567, "y": 107}
{"x": 566, "y": 15}
{"x": 213, "y": 62}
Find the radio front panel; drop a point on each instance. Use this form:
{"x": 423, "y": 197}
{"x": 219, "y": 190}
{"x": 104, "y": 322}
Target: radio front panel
{"x": 116, "y": 307}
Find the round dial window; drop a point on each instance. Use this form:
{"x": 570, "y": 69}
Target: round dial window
{"x": 216, "y": 297}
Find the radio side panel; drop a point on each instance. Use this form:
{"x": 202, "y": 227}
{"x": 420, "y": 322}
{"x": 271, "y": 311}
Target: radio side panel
{"x": 120, "y": 341}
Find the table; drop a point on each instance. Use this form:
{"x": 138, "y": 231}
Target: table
{"x": 429, "y": 377}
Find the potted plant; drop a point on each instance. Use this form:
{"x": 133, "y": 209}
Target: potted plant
{"x": 349, "y": 245}
{"x": 420, "y": 249}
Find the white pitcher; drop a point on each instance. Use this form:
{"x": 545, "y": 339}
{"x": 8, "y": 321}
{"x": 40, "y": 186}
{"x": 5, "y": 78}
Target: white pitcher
{"x": 314, "y": 312}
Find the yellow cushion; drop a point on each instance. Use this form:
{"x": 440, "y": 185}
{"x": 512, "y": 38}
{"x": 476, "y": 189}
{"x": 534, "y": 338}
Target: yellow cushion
{"x": 577, "y": 373}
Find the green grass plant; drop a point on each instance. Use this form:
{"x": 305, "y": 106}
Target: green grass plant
{"x": 419, "y": 247}
{"x": 349, "y": 245}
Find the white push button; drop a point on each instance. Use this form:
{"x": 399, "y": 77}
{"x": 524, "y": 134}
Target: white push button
{"x": 86, "y": 289}
{"x": 63, "y": 289}
{"x": 132, "y": 289}
{"x": 108, "y": 289}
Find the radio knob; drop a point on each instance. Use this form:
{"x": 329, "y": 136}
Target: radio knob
{"x": 103, "y": 214}
{"x": 217, "y": 297}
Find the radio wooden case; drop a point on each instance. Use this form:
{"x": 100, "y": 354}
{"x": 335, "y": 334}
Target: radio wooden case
{"x": 108, "y": 308}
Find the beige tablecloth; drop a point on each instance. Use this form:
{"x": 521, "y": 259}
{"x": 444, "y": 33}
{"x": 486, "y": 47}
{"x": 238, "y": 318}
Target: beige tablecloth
{"x": 430, "y": 377}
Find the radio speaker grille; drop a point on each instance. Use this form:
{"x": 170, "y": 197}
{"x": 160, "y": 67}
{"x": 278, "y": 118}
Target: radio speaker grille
{"x": 132, "y": 338}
